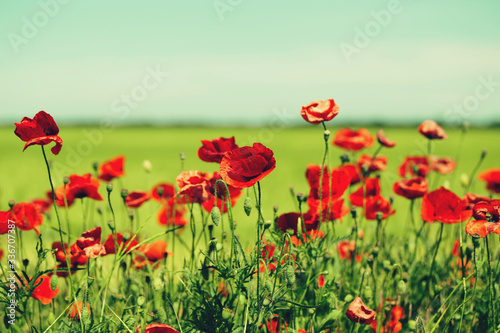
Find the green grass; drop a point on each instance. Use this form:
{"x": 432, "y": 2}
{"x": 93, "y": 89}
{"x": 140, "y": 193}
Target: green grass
{"x": 23, "y": 176}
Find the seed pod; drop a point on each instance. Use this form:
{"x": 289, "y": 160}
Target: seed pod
{"x": 215, "y": 213}
{"x": 247, "y": 206}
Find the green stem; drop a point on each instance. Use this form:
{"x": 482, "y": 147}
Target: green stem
{"x": 491, "y": 315}
{"x": 434, "y": 257}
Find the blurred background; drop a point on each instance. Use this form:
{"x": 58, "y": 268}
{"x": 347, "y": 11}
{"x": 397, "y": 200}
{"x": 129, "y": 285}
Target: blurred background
{"x": 239, "y": 62}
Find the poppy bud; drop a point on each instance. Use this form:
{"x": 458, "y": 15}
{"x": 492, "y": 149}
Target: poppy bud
{"x": 141, "y": 300}
{"x": 215, "y": 213}
{"x": 379, "y": 216}
{"x": 375, "y": 251}
{"x": 344, "y": 158}
{"x": 146, "y": 165}
{"x": 124, "y": 193}
{"x": 353, "y": 212}
{"x": 391, "y": 199}
{"x": 475, "y": 240}
{"x": 66, "y": 180}
{"x": 218, "y": 247}
{"x": 348, "y": 298}
{"x": 412, "y": 325}
{"x": 182, "y": 156}
{"x": 267, "y": 300}
{"x": 267, "y": 224}
{"x": 247, "y": 206}
{"x": 483, "y": 153}
{"x": 300, "y": 197}
{"x": 370, "y": 260}
{"x": 109, "y": 187}
{"x": 401, "y": 287}
{"x": 95, "y": 166}
{"x": 361, "y": 234}
{"x": 111, "y": 225}
{"x": 160, "y": 190}
{"x": 131, "y": 214}
{"x": 290, "y": 275}
{"x": 275, "y": 209}
{"x": 364, "y": 169}
{"x": 212, "y": 245}
{"x": 12, "y": 203}
{"x": 53, "y": 282}
{"x": 26, "y": 262}
{"x": 464, "y": 179}
{"x": 99, "y": 210}
{"x": 387, "y": 265}
{"x": 227, "y": 313}
{"x": 269, "y": 285}
{"x": 368, "y": 293}
{"x": 326, "y": 134}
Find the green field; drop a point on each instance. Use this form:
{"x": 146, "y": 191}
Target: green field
{"x": 23, "y": 176}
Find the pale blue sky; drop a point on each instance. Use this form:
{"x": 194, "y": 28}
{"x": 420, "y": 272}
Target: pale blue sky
{"x": 92, "y": 60}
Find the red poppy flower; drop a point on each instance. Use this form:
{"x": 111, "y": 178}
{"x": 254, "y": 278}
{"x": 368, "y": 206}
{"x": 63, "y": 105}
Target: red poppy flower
{"x": 76, "y": 309}
{"x": 321, "y": 282}
{"x": 330, "y": 211}
{"x": 471, "y": 199}
{"x": 214, "y": 151}
{"x": 339, "y": 180}
{"x": 431, "y": 130}
{"x": 319, "y": 111}
{"x": 353, "y": 140}
{"x": 167, "y": 216}
{"x": 112, "y": 169}
{"x": 158, "y": 328}
{"x": 194, "y": 185}
{"x": 411, "y": 188}
{"x": 487, "y": 210}
{"x": 358, "y": 312}
{"x": 41, "y": 130}
{"x": 167, "y": 192}
{"x": 44, "y": 292}
{"x": 414, "y": 166}
{"x": 383, "y": 140}
{"x": 378, "y": 204}
{"x": 43, "y": 205}
{"x": 443, "y": 165}
{"x": 234, "y": 194}
{"x": 482, "y": 228}
{"x": 394, "y": 325}
{"x": 379, "y": 163}
{"x": 346, "y": 250}
{"x": 372, "y": 188}
{"x": 77, "y": 188}
{"x": 151, "y": 252}
{"x": 25, "y": 215}
{"x": 444, "y": 206}
{"x": 135, "y": 199}
{"x": 4, "y": 222}
{"x": 243, "y": 167}
{"x": 89, "y": 244}
{"x": 492, "y": 179}
{"x": 109, "y": 244}
{"x": 288, "y": 221}
{"x": 76, "y": 259}
{"x": 354, "y": 172}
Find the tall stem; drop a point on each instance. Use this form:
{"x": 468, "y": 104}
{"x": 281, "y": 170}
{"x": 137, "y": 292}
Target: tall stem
{"x": 491, "y": 315}
{"x": 435, "y": 254}
{"x": 259, "y": 205}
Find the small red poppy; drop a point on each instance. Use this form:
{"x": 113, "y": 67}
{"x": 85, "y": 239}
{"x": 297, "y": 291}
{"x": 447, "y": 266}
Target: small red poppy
{"x": 76, "y": 259}
{"x": 443, "y": 165}
{"x": 379, "y": 163}
{"x": 112, "y": 169}
{"x": 358, "y": 312}
{"x": 492, "y": 179}
{"x": 214, "y": 151}
{"x": 135, "y": 199}
{"x": 353, "y": 171}
{"x": 194, "y": 184}
{"x": 167, "y": 216}
{"x": 109, "y": 244}
{"x": 383, "y": 140}
{"x": 76, "y": 309}
{"x": 431, "y": 130}
{"x": 444, "y": 206}
{"x": 44, "y": 292}
{"x": 321, "y": 282}
{"x": 25, "y": 215}
{"x": 411, "y": 188}
{"x": 319, "y": 111}
{"x": 41, "y": 130}
{"x": 414, "y": 166}
{"x": 167, "y": 192}
{"x": 353, "y": 140}
{"x": 79, "y": 187}
{"x": 243, "y": 167}
{"x": 152, "y": 252}
{"x": 89, "y": 244}
{"x": 378, "y": 204}
{"x": 370, "y": 189}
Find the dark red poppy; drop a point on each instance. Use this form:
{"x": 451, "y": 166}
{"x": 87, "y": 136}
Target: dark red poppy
{"x": 376, "y": 205}
{"x": 4, "y": 222}
{"x": 471, "y": 199}
{"x": 492, "y": 179}
{"x": 482, "y": 228}
{"x": 234, "y": 194}
{"x": 487, "y": 210}
{"x": 354, "y": 172}
{"x": 443, "y": 165}
{"x": 414, "y": 166}
{"x": 358, "y": 312}
{"x": 135, "y": 199}
{"x": 167, "y": 192}
{"x": 157, "y": 328}
{"x": 288, "y": 221}
{"x": 243, "y": 167}
{"x": 214, "y": 151}
{"x": 411, "y": 188}
{"x": 319, "y": 111}
{"x": 379, "y": 163}
{"x": 353, "y": 140}
{"x": 78, "y": 258}
{"x": 79, "y": 187}
{"x": 370, "y": 189}
{"x": 25, "y": 215}
{"x": 167, "y": 216}
{"x": 383, "y": 140}
{"x": 76, "y": 309}
{"x": 41, "y": 130}
{"x": 109, "y": 244}
{"x": 443, "y": 206}
{"x": 339, "y": 181}
{"x": 89, "y": 244}
{"x": 112, "y": 169}
{"x": 44, "y": 292}
{"x": 152, "y": 253}
{"x": 194, "y": 184}
{"x": 431, "y": 130}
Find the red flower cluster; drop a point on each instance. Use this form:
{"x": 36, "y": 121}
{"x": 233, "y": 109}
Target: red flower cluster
{"x": 487, "y": 216}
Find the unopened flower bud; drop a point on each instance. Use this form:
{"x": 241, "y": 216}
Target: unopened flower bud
{"x": 111, "y": 225}
{"x": 215, "y": 214}
{"x": 66, "y": 180}
{"x": 326, "y": 134}
{"x": 464, "y": 180}
{"x": 267, "y": 300}
{"x": 412, "y": 325}
{"x": 53, "y": 282}
{"x": 348, "y": 298}
{"x": 368, "y": 293}
{"x": 275, "y": 209}
{"x": 401, "y": 287}
{"x": 344, "y": 158}
{"x": 247, "y": 206}
{"x": 475, "y": 240}
{"x": 182, "y": 156}
{"x": 99, "y": 210}
{"x": 124, "y": 193}
{"x": 267, "y": 224}
{"x": 12, "y": 203}
{"x": 109, "y": 187}
{"x": 353, "y": 212}
{"x": 95, "y": 166}
{"x": 146, "y": 165}
{"x": 483, "y": 153}
{"x": 227, "y": 313}
{"x": 446, "y": 184}
{"x": 157, "y": 284}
